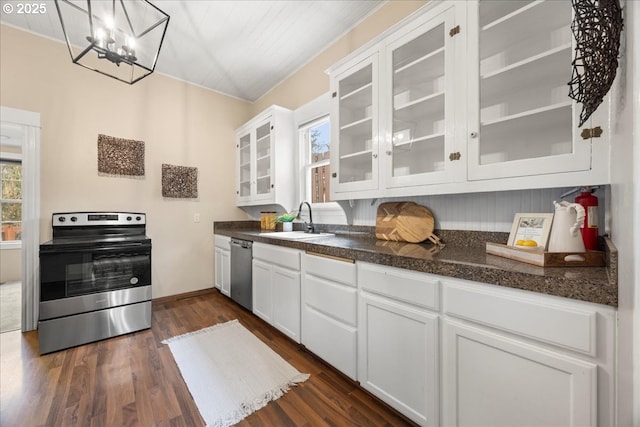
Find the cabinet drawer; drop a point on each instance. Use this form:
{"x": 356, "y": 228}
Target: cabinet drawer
{"x": 331, "y": 340}
{"x": 277, "y": 255}
{"x": 331, "y": 298}
{"x": 532, "y": 316}
{"x": 415, "y": 288}
{"x": 221, "y": 242}
{"x": 331, "y": 268}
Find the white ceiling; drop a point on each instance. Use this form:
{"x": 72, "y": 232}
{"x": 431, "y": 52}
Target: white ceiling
{"x": 240, "y": 48}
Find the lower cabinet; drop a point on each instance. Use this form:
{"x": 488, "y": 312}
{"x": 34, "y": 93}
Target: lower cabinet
{"x": 329, "y": 307}
{"x": 494, "y": 380}
{"x": 516, "y": 358}
{"x": 398, "y": 350}
{"x": 222, "y": 264}
{"x": 276, "y": 287}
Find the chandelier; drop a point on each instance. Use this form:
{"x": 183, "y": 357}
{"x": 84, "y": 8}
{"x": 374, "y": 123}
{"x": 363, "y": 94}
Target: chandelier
{"x": 117, "y": 38}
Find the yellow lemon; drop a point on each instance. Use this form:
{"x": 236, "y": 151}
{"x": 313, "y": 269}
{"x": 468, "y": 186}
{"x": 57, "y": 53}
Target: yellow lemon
{"x": 531, "y": 243}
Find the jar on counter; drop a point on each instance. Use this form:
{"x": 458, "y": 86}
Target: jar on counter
{"x": 268, "y": 220}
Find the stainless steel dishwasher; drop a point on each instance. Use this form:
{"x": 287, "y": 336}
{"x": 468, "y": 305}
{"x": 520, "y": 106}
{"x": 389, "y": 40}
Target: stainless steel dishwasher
{"x": 241, "y": 257}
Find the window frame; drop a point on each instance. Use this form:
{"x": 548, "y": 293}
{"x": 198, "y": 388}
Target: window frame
{"x": 307, "y": 164}
{"x": 316, "y": 109}
{"x": 11, "y": 157}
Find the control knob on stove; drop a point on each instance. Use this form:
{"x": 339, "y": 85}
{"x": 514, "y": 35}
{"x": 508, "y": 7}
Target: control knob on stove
{"x": 128, "y": 218}
{"x": 74, "y": 218}
{"x": 138, "y": 218}
{"x": 61, "y": 219}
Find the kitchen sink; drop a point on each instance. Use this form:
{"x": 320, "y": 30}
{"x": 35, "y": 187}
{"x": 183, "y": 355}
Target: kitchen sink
{"x": 295, "y": 235}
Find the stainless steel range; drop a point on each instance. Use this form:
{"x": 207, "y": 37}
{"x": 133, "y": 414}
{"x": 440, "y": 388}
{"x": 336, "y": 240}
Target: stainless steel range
{"x": 95, "y": 278}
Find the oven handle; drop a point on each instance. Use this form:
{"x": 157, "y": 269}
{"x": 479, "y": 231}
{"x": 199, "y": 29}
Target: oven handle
{"x": 111, "y": 248}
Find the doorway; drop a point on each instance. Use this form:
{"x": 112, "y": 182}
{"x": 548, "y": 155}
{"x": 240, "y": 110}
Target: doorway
{"x": 20, "y": 218}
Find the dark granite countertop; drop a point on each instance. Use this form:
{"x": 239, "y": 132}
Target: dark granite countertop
{"x": 463, "y": 256}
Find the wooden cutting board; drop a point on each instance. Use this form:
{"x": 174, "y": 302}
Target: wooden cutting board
{"x": 405, "y": 222}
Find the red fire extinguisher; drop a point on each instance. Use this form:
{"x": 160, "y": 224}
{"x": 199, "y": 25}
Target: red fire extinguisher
{"x": 589, "y": 229}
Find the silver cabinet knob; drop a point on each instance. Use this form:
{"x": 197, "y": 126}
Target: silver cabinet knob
{"x": 473, "y": 134}
{"x": 375, "y": 156}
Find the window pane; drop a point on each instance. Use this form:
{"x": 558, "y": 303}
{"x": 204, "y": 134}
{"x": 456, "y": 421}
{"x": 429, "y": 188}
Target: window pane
{"x": 320, "y": 184}
{"x": 11, "y": 221}
{"x": 11, "y": 181}
{"x": 320, "y": 137}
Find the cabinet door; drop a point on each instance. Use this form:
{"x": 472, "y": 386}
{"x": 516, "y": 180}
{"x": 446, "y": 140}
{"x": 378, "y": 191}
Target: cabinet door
{"x": 264, "y": 161}
{"x": 522, "y": 121}
{"x": 493, "y": 380}
{"x": 223, "y": 269}
{"x": 419, "y": 104}
{"x": 262, "y": 291}
{"x": 286, "y": 302}
{"x": 354, "y": 163}
{"x": 244, "y": 159}
{"x": 398, "y": 356}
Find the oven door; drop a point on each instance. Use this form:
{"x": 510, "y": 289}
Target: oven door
{"x": 72, "y": 272}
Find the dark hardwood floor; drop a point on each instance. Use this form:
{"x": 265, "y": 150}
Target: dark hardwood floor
{"x": 132, "y": 380}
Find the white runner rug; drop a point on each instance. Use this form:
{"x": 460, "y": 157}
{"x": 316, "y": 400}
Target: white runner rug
{"x": 230, "y": 372}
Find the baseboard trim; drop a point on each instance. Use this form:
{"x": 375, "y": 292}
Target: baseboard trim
{"x": 185, "y": 295}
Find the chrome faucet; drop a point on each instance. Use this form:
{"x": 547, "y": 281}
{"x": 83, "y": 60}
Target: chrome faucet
{"x": 308, "y": 225}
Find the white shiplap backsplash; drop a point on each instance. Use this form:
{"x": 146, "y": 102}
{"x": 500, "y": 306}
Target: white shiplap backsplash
{"x": 490, "y": 211}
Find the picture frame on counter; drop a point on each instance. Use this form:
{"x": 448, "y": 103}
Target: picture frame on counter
{"x": 530, "y": 227}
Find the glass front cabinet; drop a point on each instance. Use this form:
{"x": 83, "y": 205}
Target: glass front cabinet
{"x": 265, "y": 153}
{"x": 396, "y": 110}
{"x": 355, "y": 110}
{"x": 465, "y": 96}
{"x": 524, "y": 123}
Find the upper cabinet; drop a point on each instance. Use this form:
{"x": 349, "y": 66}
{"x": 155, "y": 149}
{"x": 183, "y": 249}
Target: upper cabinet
{"x": 522, "y": 122}
{"x": 419, "y": 103}
{"x": 464, "y": 96}
{"x": 265, "y": 158}
{"x": 394, "y": 106}
{"x": 355, "y": 111}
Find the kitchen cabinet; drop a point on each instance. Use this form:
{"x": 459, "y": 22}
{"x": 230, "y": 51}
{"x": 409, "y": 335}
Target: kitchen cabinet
{"x": 398, "y": 339}
{"x": 276, "y": 287}
{"x": 419, "y": 102}
{"x": 329, "y": 308}
{"x": 464, "y": 97}
{"x": 354, "y": 162}
{"x": 394, "y": 109}
{"x": 513, "y": 358}
{"x": 222, "y": 264}
{"x": 265, "y": 160}
{"x": 523, "y": 123}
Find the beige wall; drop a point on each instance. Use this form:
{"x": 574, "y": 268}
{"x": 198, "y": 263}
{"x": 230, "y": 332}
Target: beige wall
{"x": 311, "y": 80}
{"x": 10, "y": 265}
{"x": 181, "y": 124}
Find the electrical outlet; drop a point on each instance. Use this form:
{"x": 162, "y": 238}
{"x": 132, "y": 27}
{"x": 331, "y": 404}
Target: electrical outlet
{"x": 196, "y": 217}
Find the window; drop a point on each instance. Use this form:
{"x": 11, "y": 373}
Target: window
{"x": 11, "y": 200}
{"x": 316, "y": 137}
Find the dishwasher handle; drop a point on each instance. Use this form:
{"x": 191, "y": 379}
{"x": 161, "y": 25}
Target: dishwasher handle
{"x": 246, "y": 244}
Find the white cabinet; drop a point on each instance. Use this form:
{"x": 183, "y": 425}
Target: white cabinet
{"x": 394, "y": 109}
{"x": 464, "y": 97}
{"x": 398, "y": 350}
{"x": 276, "y": 287}
{"x": 420, "y": 135}
{"x": 493, "y": 380}
{"x": 514, "y": 358}
{"x": 329, "y": 311}
{"x": 222, "y": 264}
{"x": 355, "y": 117}
{"x": 265, "y": 160}
{"x": 523, "y": 123}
